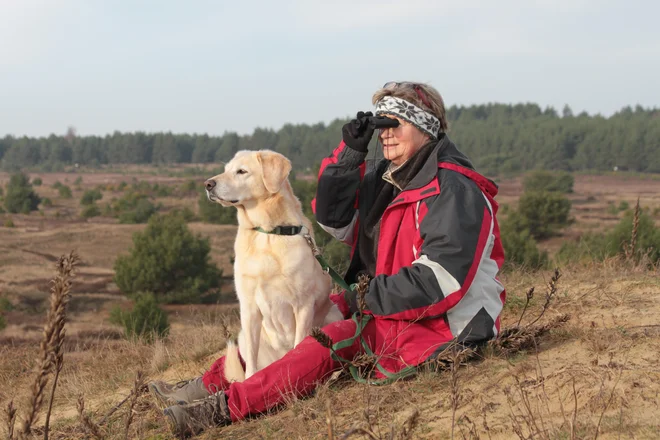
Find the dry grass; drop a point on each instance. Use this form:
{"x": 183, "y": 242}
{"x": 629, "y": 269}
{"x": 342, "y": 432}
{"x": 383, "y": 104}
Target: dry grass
{"x": 577, "y": 360}
{"x": 498, "y": 395}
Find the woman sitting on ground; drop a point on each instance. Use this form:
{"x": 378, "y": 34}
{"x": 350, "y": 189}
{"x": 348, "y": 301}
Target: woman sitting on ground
{"x": 421, "y": 225}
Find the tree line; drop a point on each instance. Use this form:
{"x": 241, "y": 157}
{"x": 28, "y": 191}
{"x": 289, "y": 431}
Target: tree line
{"x": 499, "y": 138}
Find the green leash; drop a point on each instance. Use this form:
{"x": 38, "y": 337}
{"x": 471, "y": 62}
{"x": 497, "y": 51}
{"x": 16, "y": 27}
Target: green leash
{"x": 360, "y": 320}
{"x": 360, "y": 324}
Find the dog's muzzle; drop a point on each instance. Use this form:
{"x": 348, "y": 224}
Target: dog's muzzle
{"x": 213, "y": 197}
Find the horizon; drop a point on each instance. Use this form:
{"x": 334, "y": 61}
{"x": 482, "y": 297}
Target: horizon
{"x": 216, "y": 67}
{"x": 325, "y": 123}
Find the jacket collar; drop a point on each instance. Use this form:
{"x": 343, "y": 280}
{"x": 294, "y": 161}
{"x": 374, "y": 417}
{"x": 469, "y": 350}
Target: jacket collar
{"x": 402, "y": 176}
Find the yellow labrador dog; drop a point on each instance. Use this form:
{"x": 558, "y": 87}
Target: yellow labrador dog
{"x": 282, "y": 289}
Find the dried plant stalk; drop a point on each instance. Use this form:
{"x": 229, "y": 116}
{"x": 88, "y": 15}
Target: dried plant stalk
{"x": 59, "y": 362}
{"x": 514, "y": 339}
{"x": 10, "y": 412}
{"x": 88, "y": 426}
{"x": 552, "y": 290}
{"x": 630, "y": 249}
{"x": 409, "y": 426}
{"x": 137, "y": 386}
{"x": 53, "y": 336}
{"x": 528, "y": 297}
{"x": 328, "y": 420}
{"x": 361, "y": 292}
{"x": 322, "y": 338}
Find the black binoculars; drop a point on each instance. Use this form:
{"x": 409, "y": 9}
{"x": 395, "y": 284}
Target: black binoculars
{"x": 382, "y": 122}
{"x": 377, "y": 122}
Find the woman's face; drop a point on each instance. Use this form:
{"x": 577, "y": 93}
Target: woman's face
{"x": 402, "y": 142}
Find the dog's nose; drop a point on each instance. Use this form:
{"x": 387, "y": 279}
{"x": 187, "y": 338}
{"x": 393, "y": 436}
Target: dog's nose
{"x": 210, "y": 184}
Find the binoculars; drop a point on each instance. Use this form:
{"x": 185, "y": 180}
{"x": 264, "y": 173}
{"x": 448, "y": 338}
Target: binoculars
{"x": 377, "y": 122}
{"x": 382, "y": 122}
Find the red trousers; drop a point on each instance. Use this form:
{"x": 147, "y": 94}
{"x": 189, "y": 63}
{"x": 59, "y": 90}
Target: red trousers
{"x": 397, "y": 343}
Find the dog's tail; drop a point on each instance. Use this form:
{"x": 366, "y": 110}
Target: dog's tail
{"x": 233, "y": 368}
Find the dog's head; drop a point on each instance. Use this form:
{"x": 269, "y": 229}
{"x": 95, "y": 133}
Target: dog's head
{"x": 249, "y": 176}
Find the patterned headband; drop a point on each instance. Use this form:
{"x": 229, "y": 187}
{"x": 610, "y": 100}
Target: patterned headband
{"x": 423, "y": 120}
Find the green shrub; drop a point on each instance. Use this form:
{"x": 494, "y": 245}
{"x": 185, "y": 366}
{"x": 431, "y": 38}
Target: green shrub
{"x": 611, "y": 208}
{"x": 648, "y": 236}
{"x": 141, "y": 186}
{"x": 335, "y": 253}
{"x": 122, "y": 186}
{"x": 91, "y": 196}
{"x": 2, "y": 191}
{"x": 542, "y": 213}
{"x": 3, "y": 323}
{"x": 142, "y": 212}
{"x": 2, "y": 210}
{"x": 186, "y": 213}
{"x": 90, "y": 211}
{"x": 162, "y": 191}
{"x": 211, "y": 212}
{"x": 146, "y": 320}
{"x": 169, "y": 261}
{"x": 78, "y": 180}
{"x": 597, "y": 247}
{"x": 20, "y": 197}
{"x": 551, "y": 181}
{"x": 64, "y": 191}
{"x": 133, "y": 207}
{"x": 37, "y": 181}
{"x": 46, "y": 202}
{"x": 520, "y": 248}
{"x": 9, "y": 223}
{"x": 623, "y": 205}
{"x": 189, "y": 186}
{"x": 589, "y": 247}
{"x": 5, "y": 305}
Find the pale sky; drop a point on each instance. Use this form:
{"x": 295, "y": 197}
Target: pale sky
{"x": 215, "y": 66}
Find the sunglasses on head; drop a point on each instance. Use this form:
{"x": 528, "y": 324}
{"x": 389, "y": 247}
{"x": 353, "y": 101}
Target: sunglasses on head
{"x": 415, "y": 87}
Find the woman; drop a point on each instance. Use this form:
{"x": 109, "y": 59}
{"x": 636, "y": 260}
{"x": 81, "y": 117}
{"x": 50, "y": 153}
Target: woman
{"x": 422, "y": 226}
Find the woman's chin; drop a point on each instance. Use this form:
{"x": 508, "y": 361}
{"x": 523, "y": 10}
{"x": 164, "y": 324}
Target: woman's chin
{"x": 389, "y": 154}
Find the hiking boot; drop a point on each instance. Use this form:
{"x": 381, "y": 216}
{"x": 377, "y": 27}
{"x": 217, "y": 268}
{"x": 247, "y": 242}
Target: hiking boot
{"x": 181, "y": 392}
{"x": 193, "y": 418}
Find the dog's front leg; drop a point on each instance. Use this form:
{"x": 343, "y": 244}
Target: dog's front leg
{"x": 251, "y": 324}
{"x": 304, "y": 319}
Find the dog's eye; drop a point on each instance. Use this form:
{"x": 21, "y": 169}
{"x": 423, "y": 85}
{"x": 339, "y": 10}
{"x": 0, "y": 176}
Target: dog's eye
{"x": 241, "y": 171}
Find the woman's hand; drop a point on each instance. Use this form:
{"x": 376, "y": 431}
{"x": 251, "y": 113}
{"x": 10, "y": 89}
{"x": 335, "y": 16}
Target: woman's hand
{"x": 358, "y": 132}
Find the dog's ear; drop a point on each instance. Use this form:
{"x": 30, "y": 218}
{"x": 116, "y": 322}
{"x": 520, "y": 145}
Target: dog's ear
{"x": 275, "y": 169}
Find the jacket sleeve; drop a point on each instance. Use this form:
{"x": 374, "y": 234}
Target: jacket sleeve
{"x": 335, "y": 204}
{"x": 455, "y": 233}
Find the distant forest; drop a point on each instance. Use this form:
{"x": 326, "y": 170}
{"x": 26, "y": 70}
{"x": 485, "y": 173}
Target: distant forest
{"x": 499, "y": 138}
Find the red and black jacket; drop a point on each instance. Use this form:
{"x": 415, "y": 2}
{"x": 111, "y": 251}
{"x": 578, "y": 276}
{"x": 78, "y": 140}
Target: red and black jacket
{"x": 438, "y": 248}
